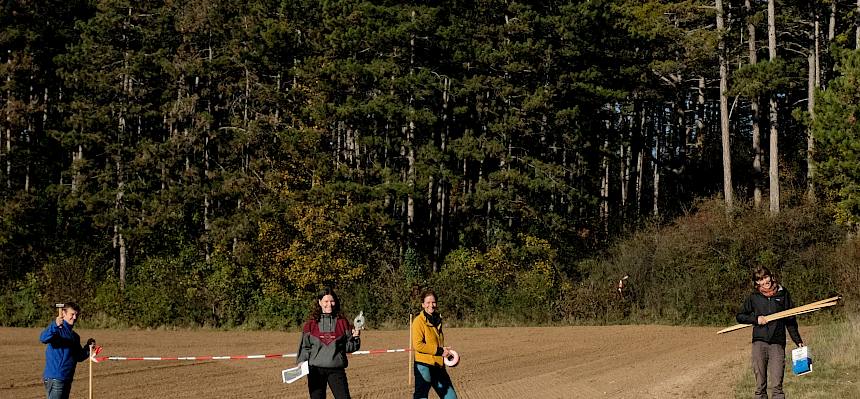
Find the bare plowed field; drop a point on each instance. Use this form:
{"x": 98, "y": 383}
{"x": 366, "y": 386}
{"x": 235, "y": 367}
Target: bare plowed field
{"x": 551, "y": 362}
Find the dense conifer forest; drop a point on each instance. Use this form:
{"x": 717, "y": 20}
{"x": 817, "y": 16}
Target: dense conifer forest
{"x": 214, "y": 163}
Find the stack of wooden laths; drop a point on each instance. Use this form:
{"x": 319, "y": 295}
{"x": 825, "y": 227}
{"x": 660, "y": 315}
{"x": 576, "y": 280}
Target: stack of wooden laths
{"x": 808, "y": 308}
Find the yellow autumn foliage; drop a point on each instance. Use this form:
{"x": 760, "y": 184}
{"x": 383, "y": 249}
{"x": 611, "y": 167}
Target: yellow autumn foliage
{"x": 310, "y": 250}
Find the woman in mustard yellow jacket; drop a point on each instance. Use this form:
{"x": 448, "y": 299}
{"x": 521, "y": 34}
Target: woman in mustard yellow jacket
{"x": 428, "y": 343}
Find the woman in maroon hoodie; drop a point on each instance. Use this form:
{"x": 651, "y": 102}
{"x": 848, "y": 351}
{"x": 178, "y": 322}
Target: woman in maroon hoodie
{"x": 327, "y": 337}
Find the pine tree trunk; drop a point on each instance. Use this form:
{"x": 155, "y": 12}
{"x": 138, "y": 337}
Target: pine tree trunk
{"x": 700, "y": 115}
{"x": 443, "y": 186}
{"x": 816, "y": 36}
{"x": 773, "y": 157}
{"x": 119, "y": 245}
{"x": 9, "y": 119}
{"x": 119, "y": 240}
{"x": 440, "y": 230}
{"x": 28, "y": 142}
{"x": 430, "y": 229}
{"x": 813, "y": 82}
{"x": 410, "y": 178}
{"x": 77, "y": 161}
{"x": 755, "y": 111}
{"x": 625, "y": 149}
{"x": 604, "y": 187}
{"x": 655, "y": 211}
{"x": 724, "y": 111}
{"x": 8, "y": 154}
{"x": 410, "y": 140}
{"x": 640, "y": 177}
{"x": 831, "y": 28}
{"x": 640, "y": 161}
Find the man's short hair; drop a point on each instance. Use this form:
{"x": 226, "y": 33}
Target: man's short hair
{"x": 73, "y": 306}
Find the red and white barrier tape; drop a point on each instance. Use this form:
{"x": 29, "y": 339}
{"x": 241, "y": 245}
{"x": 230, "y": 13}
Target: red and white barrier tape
{"x": 235, "y": 357}
{"x": 378, "y": 351}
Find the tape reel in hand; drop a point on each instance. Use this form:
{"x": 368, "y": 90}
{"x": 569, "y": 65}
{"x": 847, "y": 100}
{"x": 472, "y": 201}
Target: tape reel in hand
{"x": 453, "y": 358}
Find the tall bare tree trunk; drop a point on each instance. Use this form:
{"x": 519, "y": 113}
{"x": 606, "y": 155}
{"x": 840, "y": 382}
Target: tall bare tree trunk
{"x": 816, "y": 36}
{"x": 626, "y": 150}
{"x": 640, "y": 161}
{"x": 8, "y": 158}
{"x": 9, "y": 119}
{"x": 831, "y": 28}
{"x": 622, "y": 171}
{"x": 814, "y": 80}
{"x": 700, "y": 113}
{"x": 604, "y": 186}
{"x": 724, "y": 110}
{"x": 443, "y": 186}
{"x": 118, "y": 238}
{"x": 857, "y": 31}
{"x": 45, "y": 109}
{"x": 754, "y": 110}
{"x": 28, "y": 142}
{"x": 655, "y": 210}
{"x": 119, "y": 245}
{"x": 28, "y": 132}
{"x": 410, "y": 176}
{"x": 773, "y": 157}
{"x": 410, "y": 142}
{"x": 77, "y": 161}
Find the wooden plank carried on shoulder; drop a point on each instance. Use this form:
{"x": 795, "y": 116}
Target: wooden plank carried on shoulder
{"x": 808, "y": 308}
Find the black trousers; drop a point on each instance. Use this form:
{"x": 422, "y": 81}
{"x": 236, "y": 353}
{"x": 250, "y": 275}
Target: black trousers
{"x": 335, "y": 378}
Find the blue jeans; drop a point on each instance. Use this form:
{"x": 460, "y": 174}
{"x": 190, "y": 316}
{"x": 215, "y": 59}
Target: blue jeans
{"x": 435, "y": 377}
{"x": 57, "y": 389}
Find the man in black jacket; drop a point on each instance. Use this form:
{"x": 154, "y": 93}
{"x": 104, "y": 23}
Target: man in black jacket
{"x": 768, "y": 338}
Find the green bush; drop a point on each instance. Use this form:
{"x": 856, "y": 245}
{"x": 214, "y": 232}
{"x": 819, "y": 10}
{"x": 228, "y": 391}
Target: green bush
{"x": 531, "y": 298}
{"x": 150, "y": 305}
{"x": 229, "y": 290}
{"x": 386, "y": 299}
{"x": 277, "y": 312}
{"x": 697, "y": 269}
{"x": 464, "y": 291}
{"x": 110, "y": 306}
{"x": 692, "y": 271}
{"x": 843, "y": 269}
{"x": 22, "y": 305}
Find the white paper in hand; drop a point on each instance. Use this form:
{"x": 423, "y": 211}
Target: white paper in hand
{"x": 801, "y": 361}
{"x": 291, "y": 375}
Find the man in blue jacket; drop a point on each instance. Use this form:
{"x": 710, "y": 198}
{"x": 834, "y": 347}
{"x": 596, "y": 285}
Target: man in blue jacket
{"x": 768, "y": 337}
{"x": 63, "y": 352}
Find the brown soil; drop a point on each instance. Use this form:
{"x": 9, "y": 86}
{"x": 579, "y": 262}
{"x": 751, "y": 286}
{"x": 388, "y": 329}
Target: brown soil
{"x": 550, "y": 362}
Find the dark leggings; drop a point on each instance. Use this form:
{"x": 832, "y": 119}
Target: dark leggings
{"x": 335, "y": 378}
{"x": 427, "y": 377}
